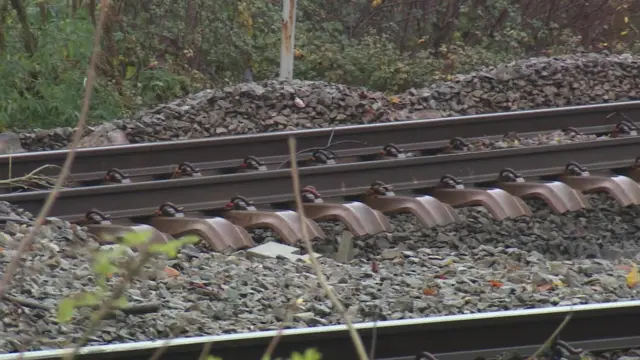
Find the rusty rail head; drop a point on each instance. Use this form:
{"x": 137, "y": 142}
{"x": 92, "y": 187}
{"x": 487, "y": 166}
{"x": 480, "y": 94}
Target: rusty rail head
{"x": 359, "y": 218}
{"x": 240, "y": 211}
{"x": 500, "y": 204}
{"x": 218, "y": 233}
{"x": 559, "y": 196}
{"x": 623, "y": 189}
{"x": 428, "y": 210}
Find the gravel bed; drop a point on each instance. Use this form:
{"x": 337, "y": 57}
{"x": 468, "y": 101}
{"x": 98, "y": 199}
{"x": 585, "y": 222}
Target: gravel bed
{"x": 547, "y": 138}
{"x": 269, "y": 106}
{"x": 479, "y": 266}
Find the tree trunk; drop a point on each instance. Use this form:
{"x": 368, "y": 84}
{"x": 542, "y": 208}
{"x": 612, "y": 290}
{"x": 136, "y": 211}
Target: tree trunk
{"x": 29, "y": 39}
{"x": 91, "y": 9}
{"x": 4, "y": 10}
{"x": 44, "y": 15}
{"x": 111, "y": 48}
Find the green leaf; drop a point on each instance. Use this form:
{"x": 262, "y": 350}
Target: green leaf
{"x": 171, "y": 248}
{"x": 121, "y": 302}
{"x": 131, "y": 70}
{"x": 136, "y": 238}
{"x": 102, "y": 263}
{"x": 65, "y": 310}
{"x": 86, "y": 299}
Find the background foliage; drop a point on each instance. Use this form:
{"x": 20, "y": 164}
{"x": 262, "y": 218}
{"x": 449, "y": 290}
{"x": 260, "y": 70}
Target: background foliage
{"x": 156, "y": 50}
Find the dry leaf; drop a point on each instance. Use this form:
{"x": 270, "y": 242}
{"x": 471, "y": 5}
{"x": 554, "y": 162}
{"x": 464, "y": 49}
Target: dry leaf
{"x": 394, "y": 99}
{"x": 544, "y": 287}
{"x": 495, "y": 283}
{"x": 633, "y": 278}
{"x": 429, "y": 291}
{"x": 171, "y": 272}
{"x": 198, "y": 285}
{"x": 376, "y": 3}
{"x": 625, "y": 268}
{"x": 374, "y": 266}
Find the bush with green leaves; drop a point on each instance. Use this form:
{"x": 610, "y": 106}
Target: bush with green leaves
{"x": 157, "y": 50}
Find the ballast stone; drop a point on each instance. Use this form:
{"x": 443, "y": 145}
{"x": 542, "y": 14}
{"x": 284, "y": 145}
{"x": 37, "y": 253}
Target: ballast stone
{"x": 276, "y": 250}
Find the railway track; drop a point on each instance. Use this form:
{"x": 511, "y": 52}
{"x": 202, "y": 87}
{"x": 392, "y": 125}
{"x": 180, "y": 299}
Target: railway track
{"x": 221, "y": 188}
{"x": 91, "y": 162}
{"x": 593, "y": 328}
{"x": 221, "y": 198}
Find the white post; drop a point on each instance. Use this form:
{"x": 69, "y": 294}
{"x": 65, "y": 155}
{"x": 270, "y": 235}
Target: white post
{"x": 287, "y": 49}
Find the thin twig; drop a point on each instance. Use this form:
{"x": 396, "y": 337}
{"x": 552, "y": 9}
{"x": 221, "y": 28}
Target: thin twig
{"x": 29, "y": 175}
{"x": 355, "y": 337}
{"x": 274, "y": 343}
{"x": 107, "y": 305}
{"x": 547, "y": 344}
{"x": 26, "y": 242}
{"x": 161, "y": 350}
{"x": 374, "y": 334}
{"x": 26, "y": 302}
{"x": 32, "y": 176}
{"x": 329, "y": 145}
{"x": 276, "y": 339}
{"x": 206, "y": 349}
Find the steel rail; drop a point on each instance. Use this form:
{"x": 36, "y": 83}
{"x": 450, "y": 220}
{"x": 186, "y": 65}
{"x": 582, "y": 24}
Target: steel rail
{"x": 594, "y": 327}
{"x": 207, "y": 193}
{"x": 273, "y": 144}
{"x": 355, "y": 153}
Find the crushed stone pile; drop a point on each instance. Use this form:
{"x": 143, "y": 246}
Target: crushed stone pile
{"x": 272, "y": 105}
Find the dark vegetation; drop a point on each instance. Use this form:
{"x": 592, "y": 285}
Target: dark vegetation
{"x": 157, "y": 50}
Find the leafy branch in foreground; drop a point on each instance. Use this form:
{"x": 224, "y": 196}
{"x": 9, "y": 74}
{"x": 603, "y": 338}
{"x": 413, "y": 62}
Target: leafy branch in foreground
{"x": 107, "y": 263}
{"x": 309, "y": 354}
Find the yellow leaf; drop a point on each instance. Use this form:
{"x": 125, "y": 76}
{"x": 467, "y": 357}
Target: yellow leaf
{"x": 624, "y": 33}
{"x": 633, "y": 278}
{"x": 626, "y": 19}
{"x": 131, "y": 70}
{"x": 376, "y": 3}
{"x": 394, "y": 99}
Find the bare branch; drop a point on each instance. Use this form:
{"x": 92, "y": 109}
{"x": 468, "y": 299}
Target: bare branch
{"x": 355, "y": 337}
